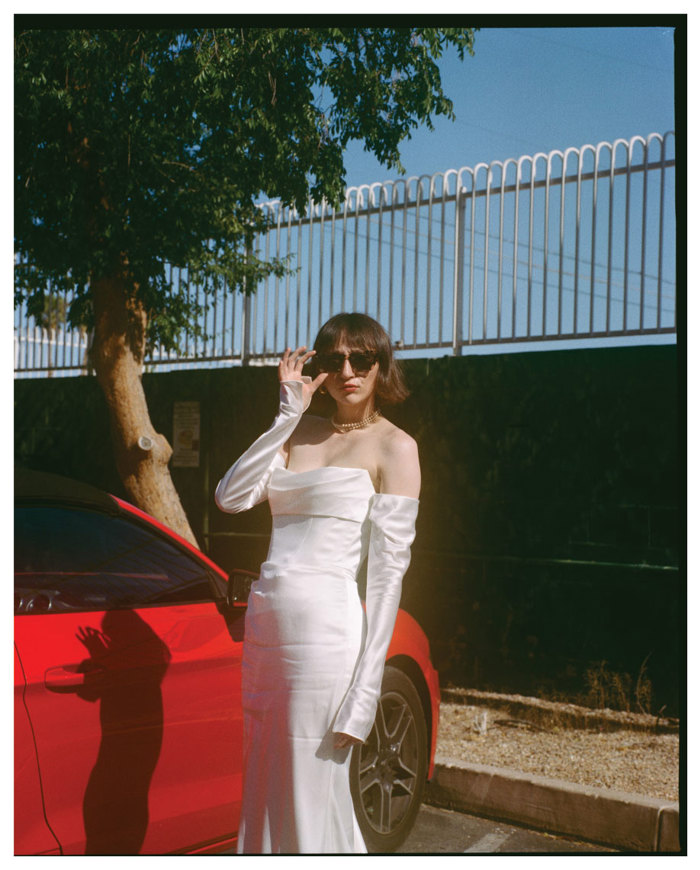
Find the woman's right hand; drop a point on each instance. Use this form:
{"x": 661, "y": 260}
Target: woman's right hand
{"x": 290, "y": 369}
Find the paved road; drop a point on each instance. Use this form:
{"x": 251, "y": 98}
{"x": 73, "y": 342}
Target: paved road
{"x": 439, "y": 830}
{"x": 448, "y": 832}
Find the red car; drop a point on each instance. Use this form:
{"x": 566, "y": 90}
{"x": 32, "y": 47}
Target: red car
{"x": 128, "y": 726}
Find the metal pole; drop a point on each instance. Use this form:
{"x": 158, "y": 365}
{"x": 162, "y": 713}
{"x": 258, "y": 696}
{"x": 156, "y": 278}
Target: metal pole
{"x": 458, "y": 285}
{"x": 246, "y": 319}
{"x": 661, "y": 233}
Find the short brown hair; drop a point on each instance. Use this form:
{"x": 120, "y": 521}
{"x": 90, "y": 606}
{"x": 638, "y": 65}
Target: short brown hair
{"x": 361, "y": 332}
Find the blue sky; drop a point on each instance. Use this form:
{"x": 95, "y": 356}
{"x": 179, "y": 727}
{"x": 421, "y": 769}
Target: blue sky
{"x": 537, "y": 89}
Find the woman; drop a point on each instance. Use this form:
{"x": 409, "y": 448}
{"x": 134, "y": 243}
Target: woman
{"x": 341, "y": 490}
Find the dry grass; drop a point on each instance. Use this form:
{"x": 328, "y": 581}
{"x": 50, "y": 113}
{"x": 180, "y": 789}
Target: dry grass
{"x": 631, "y": 758}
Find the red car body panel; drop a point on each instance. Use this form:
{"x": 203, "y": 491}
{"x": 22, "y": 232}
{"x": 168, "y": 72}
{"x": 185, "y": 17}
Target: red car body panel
{"x": 409, "y": 640}
{"x": 115, "y": 731}
{"x": 32, "y": 834}
{"x": 129, "y": 732}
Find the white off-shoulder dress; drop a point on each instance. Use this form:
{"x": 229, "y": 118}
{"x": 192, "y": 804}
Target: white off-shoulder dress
{"x": 312, "y": 657}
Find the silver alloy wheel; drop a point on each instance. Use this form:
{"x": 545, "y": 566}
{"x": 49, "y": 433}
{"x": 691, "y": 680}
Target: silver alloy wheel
{"x": 388, "y": 771}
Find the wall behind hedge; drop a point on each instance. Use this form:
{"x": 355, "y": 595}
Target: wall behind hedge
{"x": 548, "y": 537}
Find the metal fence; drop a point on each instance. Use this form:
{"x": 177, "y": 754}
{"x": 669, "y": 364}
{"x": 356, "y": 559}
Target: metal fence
{"x": 569, "y": 245}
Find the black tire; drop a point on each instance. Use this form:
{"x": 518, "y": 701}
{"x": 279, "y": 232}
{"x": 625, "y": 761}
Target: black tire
{"x": 388, "y": 771}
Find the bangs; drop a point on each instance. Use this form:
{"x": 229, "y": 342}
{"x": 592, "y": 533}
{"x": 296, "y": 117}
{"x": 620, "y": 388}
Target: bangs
{"x": 353, "y": 339}
{"x": 356, "y": 331}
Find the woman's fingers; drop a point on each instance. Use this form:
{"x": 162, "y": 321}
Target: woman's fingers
{"x": 342, "y": 741}
{"x": 293, "y": 362}
{"x": 301, "y": 357}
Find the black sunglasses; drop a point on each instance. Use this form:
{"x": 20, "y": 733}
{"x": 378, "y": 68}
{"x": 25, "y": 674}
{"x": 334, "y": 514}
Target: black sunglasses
{"x": 361, "y": 361}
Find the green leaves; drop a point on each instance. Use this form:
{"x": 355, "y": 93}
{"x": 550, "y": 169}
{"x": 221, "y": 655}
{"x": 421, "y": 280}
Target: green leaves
{"x": 139, "y": 146}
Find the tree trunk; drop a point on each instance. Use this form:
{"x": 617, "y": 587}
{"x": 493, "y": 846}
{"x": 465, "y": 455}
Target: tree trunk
{"x": 117, "y": 355}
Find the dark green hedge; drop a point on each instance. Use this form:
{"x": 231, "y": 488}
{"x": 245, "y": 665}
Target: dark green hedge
{"x": 549, "y": 532}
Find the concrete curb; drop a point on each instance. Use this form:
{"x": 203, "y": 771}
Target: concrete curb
{"x": 624, "y": 821}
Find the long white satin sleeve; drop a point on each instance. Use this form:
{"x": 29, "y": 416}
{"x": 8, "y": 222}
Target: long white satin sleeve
{"x": 246, "y": 482}
{"x": 393, "y": 521}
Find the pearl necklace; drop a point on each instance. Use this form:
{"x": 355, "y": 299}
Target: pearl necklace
{"x": 367, "y": 421}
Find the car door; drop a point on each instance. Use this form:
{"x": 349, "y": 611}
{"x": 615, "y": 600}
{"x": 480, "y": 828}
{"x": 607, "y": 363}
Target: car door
{"x": 32, "y": 835}
{"x": 132, "y": 668}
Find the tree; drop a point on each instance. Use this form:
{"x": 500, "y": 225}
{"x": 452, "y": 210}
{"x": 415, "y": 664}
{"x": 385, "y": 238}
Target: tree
{"x": 139, "y": 147}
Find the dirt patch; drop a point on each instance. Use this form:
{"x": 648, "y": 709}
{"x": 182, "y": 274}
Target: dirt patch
{"x": 630, "y": 755}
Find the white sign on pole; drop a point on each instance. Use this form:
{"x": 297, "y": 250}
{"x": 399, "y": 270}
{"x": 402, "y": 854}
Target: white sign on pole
{"x": 186, "y": 434}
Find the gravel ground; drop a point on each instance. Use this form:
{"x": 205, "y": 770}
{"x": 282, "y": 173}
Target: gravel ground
{"x": 623, "y": 760}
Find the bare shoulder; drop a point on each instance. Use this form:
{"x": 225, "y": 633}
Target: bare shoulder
{"x": 399, "y": 465}
{"x": 397, "y": 443}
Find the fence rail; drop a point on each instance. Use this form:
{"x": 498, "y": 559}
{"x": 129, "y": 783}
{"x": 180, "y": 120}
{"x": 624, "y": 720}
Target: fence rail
{"x": 578, "y": 244}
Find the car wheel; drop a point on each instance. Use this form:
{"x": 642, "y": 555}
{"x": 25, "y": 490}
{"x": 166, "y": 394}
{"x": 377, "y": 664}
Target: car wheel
{"x": 388, "y": 771}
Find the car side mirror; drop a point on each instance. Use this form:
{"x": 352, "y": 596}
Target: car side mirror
{"x": 238, "y": 587}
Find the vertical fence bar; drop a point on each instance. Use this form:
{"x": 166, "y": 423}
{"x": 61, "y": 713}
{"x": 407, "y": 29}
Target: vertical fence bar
{"x": 221, "y": 331}
{"x": 278, "y": 243}
{"x": 404, "y": 238}
{"x": 458, "y": 282}
{"x": 611, "y": 202}
{"x": 487, "y": 227}
{"x": 211, "y": 299}
{"x": 499, "y": 313}
{"x": 310, "y": 270}
{"x": 545, "y": 273}
{"x": 67, "y": 345}
{"x": 472, "y": 244}
{"x": 443, "y": 202}
{"x": 594, "y": 217}
{"x": 47, "y": 328}
{"x": 343, "y": 269}
{"x": 380, "y": 218}
{"x": 287, "y": 280}
{"x": 661, "y": 231}
{"x": 331, "y": 288}
{"x": 322, "y": 245}
{"x": 245, "y": 318}
{"x": 419, "y": 192}
{"x": 253, "y": 311}
{"x": 27, "y": 343}
{"x": 355, "y": 261}
{"x": 562, "y": 224}
{"x": 30, "y": 344}
{"x": 626, "y": 261}
{"x": 429, "y": 260}
{"x": 533, "y": 172}
{"x": 195, "y": 337}
{"x": 17, "y": 319}
{"x": 188, "y": 298}
{"x": 391, "y": 258}
{"x": 266, "y": 295}
{"x": 644, "y": 234}
{"x": 516, "y": 220}
{"x": 64, "y": 329}
{"x": 297, "y": 339}
{"x": 577, "y": 249}
{"x": 370, "y": 202}
{"x": 228, "y": 317}
{"x": 38, "y": 345}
